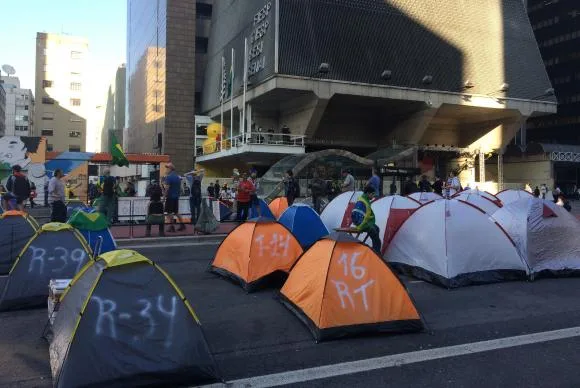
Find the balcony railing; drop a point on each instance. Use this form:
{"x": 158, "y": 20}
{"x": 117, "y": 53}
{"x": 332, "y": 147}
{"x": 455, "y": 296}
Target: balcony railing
{"x": 254, "y": 139}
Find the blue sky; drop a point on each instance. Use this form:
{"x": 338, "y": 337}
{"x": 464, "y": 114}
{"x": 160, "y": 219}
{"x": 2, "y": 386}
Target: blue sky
{"x": 103, "y": 22}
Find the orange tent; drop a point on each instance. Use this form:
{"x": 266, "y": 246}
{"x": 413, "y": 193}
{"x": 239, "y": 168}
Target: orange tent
{"x": 255, "y": 252}
{"x": 340, "y": 287}
{"x": 278, "y": 205}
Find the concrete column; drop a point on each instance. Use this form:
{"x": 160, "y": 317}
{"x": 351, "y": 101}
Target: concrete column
{"x": 481, "y": 166}
{"x": 248, "y": 133}
{"x": 500, "y": 170}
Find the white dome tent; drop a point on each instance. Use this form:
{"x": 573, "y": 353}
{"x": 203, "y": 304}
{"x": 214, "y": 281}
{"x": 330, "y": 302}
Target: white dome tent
{"x": 511, "y": 195}
{"x": 390, "y": 213}
{"x": 337, "y": 213}
{"x": 485, "y": 194}
{"x": 423, "y": 197}
{"x": 481, "y": 201}
{"x": 546, "y": 235}
{"x": 453, "y": 243}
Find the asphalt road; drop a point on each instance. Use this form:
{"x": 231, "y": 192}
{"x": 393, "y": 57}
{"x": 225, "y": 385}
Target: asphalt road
{"x": 254, "y": 335}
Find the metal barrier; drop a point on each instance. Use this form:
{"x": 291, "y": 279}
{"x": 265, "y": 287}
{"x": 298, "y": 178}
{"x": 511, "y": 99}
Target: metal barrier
{"x": 252, "y": 138}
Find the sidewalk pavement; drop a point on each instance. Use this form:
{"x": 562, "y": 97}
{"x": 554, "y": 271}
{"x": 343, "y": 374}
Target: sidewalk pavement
{"x": 120, "y": 232}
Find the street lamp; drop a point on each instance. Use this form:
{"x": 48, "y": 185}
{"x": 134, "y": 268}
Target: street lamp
{"x": 386, "y": 75}
{"x": 427, "y": 80}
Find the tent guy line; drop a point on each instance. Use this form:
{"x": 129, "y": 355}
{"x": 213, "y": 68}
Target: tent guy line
{"x": 353, "y": 367}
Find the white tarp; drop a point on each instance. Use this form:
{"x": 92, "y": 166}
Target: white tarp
{"x": 481, "y": 201}
{"x": 337, "y": 213}
{"x": 453, "y": 239}
{"x": 546, "y": 235}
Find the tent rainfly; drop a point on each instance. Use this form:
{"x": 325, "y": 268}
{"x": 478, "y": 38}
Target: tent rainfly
{"x": 337, "y": 214}
{"x": 278, "y": 205}
{"x": 256, "y": 253}
{"x": 56, "y": 251}
{"x": 423, "y": 197}
{"x": 390, "y": 213}
{"x": 453, "y": 243}
{"x": 481, "y": 201}
{"x": 511, "y": 195}
{"x": 304, "y": 223}
{"x": 124, "y": 322}
{"x": 341, "y": 287}
{"x": 546, "y": 235}
{"x": 16, "y": 228}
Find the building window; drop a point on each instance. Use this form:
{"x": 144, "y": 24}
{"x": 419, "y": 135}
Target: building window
{"x": 25, "y": 107}
{"x": 76, "y": 55}
{"x": 47, "y": 100}
{"x": 46, "y": 83}
{"x": 202, "y": 10}
{"x": 48, "y": 116}
{"x": 74, "y": 134}
{"x": 21, "y": 118}
{"x": 201, "y": 45}
{"x": 74, "y": 148}
{"x": 49, "y": 147}
{"x": 75, "y": 102}
{"x": 75, "y": 86}
{"x": 21, "y": 128}
{"x": 47, "y": 132}
{"x": 75, "y": 119}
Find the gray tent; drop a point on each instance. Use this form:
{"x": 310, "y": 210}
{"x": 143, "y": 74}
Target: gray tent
{"x": 124, "y": 322}
{"x": 16, "y": 228}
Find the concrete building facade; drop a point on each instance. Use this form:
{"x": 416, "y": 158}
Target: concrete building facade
{"x": 19, "y": 109}
{"x": 2, "y": 110}
{"x": 430, "y": 74}
{"x": 114, "y": 117}
{"x": 167, "y": 41}
{"x": 61, "y": 91}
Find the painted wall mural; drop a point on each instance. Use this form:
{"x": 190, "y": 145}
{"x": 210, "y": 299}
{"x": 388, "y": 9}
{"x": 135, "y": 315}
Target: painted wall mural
{"x": 29, "y": 153}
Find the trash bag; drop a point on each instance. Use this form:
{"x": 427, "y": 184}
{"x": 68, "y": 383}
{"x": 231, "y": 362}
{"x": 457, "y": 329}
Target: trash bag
{"x": 206, "y": 223}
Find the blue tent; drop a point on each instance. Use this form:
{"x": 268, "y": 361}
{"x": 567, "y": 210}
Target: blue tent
{"x": 264, "y": 209}
{"x": 94, "y": 227}
{"x": 225, "y": 212}
{"x": 304, "y": 223}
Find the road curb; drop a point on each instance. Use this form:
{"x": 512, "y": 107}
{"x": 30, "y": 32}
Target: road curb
{"x": 169, "y": 240}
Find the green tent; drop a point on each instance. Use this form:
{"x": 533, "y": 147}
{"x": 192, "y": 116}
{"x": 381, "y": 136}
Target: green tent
{"x": 123, "y": 321}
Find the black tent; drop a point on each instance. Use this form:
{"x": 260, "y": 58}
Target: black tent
{"x": 124, "y": 322}
{"x": 16, "y": 228}
{"x": 56, "y": 251}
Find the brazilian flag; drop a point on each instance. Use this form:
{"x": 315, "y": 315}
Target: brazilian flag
{"x": 117, "y": 154}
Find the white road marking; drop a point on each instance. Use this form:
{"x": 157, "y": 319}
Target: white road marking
{"x": 349, "y": 368}
{"x": 416, "y": 281}
{"x": 158, "y": 246}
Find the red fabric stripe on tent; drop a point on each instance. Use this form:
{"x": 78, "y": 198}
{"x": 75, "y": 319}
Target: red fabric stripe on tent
{"x": 347, "y": 218}
{"x": 396, "y": 219}
{"x": 547, "y": 212}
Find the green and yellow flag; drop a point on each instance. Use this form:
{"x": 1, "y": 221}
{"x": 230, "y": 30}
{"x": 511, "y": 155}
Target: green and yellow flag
{"x": 117, "y": 154}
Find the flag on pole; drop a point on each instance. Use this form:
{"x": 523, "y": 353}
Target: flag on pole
{"x": 224, "y": 81}
{"x": 232, "y": 97}
{"x": 118, "y": 157}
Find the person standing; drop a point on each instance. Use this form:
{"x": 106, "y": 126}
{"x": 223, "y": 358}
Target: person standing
{"x": 291, "y": 188}
{"x": 543, "y": 190}
{"x": 56, "y": 197}
{"x": 424, "y": 185}
{"x": 410, "y": 186}
{"x": 348, "y": 183}
{"x": 537, "y": 192}
{"x": 375, "y": 182}
{"x": 173, "y": 189}
{"x": 452, "y": 184}
{"x": 364, "y": 218}
{"x": 195, "y": 179}
{"x": 107, "y": 204}
{"x": 254, "y": 200}
{"x": 216, "y": 189}
{"x": 317, "y": 188}
{"x": 46, "y": 193}
{"x": 438, "y": 186}
{"x": 245, "y": 190}
{"x": 393, "y": 187}
{"x": 19, "y": 186}
{"x": 32, "y": 194}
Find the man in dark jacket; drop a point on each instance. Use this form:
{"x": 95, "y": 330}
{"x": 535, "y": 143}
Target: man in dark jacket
{"x": 317, "y": 188}
{"x": 410, "y": 187}
{"x": 108, "y": 197}
{"x": 438, "y": 186}
{"x": 19, "y": 186}
{"x": 424, "y": 185}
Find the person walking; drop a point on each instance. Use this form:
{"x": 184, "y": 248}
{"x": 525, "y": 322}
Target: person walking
{"x": 348, "y": 183}
{"x": 195, "y": 179}
{"x": 393, "y": 187}
{"x": 56, "y": 197}
{"x": 19, "y": 186}
{"x": 375, "y": 182}
{"x": 245, "y": 190}
{"x": 107, "y": 203}
{"x": 363, "y": 218}
{"x": 155, "y": 212}
{"x": 173, "y": 189}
